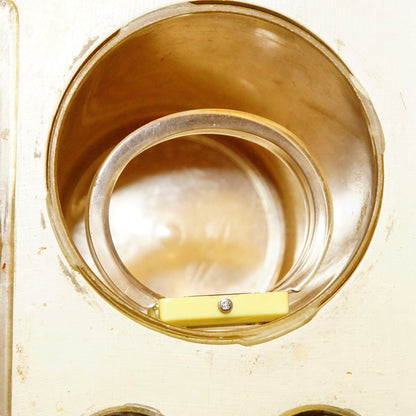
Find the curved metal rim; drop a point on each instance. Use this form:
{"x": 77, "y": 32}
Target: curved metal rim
{"x": 130, "y": 409}
{"x": 252, "y": 335}
{"x": 310, "y": 409}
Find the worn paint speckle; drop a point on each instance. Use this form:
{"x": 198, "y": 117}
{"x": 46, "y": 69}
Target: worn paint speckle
{"x": 42, "y": 221}
{"x": 59, "y": 407}
{"x": 404, "y": 103}
{"x": 389, "y": 227}
{"x": 340, "y": 44}
{"x": 4, "y": 134}
{"x": 301, "y": 353}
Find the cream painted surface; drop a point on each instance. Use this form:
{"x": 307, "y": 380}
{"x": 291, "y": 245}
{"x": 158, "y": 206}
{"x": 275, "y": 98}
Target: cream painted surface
{"x": 74, "y": 354}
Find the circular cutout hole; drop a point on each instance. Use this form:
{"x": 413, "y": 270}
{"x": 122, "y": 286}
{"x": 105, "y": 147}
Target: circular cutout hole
{"x": 187, "y": 57}
{"x": 320, "y": 410}
{"x": 129, "y": 410}
{"x": 127, "y": 413}
{"x": 318, "y": 413}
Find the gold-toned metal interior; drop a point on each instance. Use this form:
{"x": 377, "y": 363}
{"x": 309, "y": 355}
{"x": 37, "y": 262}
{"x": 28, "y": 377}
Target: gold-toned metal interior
{"x": 320, "y": 410}
{"x": 129, "y": 410}
{"x": 197, "y": 216}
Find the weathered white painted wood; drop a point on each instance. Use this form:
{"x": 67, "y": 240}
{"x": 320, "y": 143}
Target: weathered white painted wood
{"x": 74, "y": 354}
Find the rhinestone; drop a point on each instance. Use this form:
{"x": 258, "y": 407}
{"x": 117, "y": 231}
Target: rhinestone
{"x": 225, "y": 305}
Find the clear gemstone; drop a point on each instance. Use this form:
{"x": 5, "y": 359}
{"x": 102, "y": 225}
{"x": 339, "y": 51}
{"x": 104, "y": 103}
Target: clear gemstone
{"x": 225, "y": 305}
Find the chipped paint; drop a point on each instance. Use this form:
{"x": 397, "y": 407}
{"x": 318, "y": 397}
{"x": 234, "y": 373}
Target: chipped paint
{"x": 78, "y": 288}
{"x": 70, "y": 275}
{"x": 83, "y": 50}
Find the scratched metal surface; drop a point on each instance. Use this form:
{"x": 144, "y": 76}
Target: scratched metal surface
{"x": 74, "y": 354}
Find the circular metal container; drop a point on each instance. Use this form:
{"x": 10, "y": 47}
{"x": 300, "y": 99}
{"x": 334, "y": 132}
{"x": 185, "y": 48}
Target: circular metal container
{"x": 200, "y": 215}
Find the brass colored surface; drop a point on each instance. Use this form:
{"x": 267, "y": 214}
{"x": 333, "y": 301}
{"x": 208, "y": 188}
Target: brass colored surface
{"x": 129, "y": 410}
{"x": 194, "y": 217}
{"x": 193, "y": 56}
{"x": 319, "y": 410}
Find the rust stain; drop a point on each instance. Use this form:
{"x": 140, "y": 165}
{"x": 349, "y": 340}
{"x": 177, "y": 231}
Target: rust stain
{"x": 40, "y": 250}
{"x": 22, "y": 372}
{"x": 349, "y": 373}
{"x": 19, "y": 370}
{"x": 22, "y": 368}
{"x": 255, "y": 362}
{"x": 3, "y": 266}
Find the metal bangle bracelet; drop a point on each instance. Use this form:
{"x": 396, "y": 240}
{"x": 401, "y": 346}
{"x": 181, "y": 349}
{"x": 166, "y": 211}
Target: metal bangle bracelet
{"x": 263, "y": 132}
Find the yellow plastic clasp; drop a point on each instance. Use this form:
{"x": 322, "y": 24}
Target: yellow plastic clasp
{"x": 246, "y": 308}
